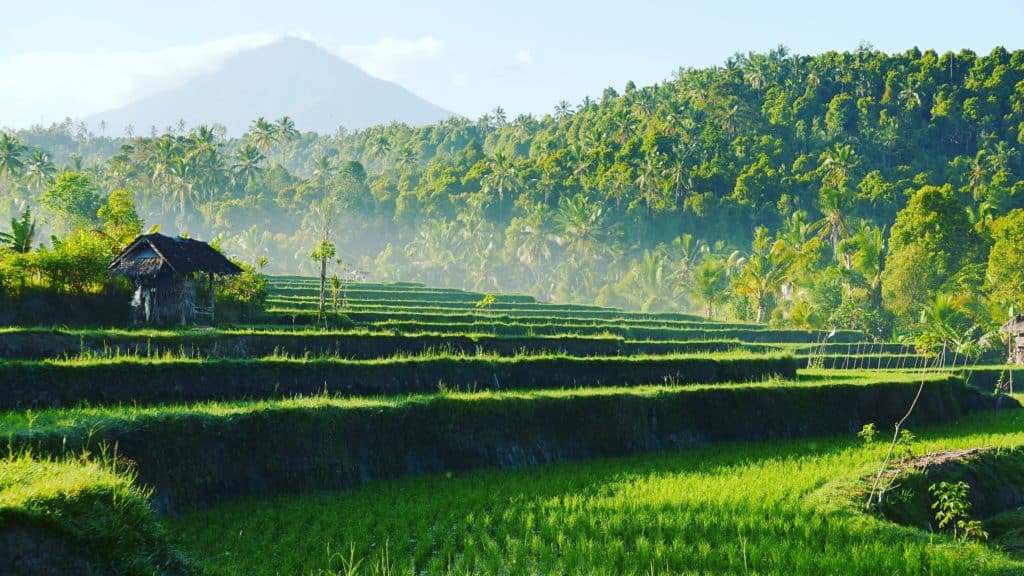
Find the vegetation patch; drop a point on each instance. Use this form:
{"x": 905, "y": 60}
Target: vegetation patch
{"x": 751, "y": 508}
{"x": 78, "y": 516}
{"x": 149, "y": 380}
{"x": 971, "y": 493}
{"x": 198, "y": 455}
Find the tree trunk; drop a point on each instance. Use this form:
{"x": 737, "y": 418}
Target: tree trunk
{"x": 323, "y": 283}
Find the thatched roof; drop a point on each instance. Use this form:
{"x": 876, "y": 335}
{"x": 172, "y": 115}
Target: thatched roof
{"x": 1014, "y": 325}
{"x": 150, "y": 255}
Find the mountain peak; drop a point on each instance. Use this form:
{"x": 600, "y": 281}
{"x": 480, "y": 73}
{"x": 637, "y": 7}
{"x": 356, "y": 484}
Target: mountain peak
{"x": 288, "y": 77}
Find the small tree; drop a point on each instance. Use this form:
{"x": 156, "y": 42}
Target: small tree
{"x": 324, "y": 252}
{"x": 120, "y": 219}
{"x": 73, "y": 202}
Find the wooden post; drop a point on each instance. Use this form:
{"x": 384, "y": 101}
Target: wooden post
{"x": 212, "y": 298}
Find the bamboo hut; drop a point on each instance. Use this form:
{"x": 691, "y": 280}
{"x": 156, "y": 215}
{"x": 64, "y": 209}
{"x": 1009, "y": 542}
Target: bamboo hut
{"x": 1014, "y": 328}
{"x": 164, "y": 272}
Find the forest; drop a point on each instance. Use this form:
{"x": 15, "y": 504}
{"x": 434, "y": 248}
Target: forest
{"x": 848, "y": 190}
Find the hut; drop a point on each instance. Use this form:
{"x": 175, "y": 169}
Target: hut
{"x": 1014, "y": 328}
{"x": 164, "y": 272}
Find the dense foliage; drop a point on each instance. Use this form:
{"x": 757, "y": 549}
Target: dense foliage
{"x": 843, "y": 190}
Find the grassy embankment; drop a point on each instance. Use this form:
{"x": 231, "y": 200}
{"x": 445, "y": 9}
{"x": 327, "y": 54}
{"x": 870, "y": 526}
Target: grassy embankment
{"x": 763, "y": 508}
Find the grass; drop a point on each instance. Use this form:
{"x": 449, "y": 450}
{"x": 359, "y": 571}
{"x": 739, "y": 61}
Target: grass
{"x": 83, "y": 421}
{"x": 784, "y": 507}
{"x": 761, "y": 508}
{"x": 86, "y": 516}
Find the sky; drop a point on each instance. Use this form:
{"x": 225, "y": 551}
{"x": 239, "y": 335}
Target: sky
{"x": 80, "y": 57}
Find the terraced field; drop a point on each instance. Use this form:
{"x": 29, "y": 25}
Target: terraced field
{"x": 405, "y": 437}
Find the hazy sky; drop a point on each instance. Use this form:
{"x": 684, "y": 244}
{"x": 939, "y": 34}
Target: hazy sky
{"x": 73, "y": 58}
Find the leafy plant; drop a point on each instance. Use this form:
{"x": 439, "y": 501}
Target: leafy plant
{"x": 23, "y": 231}
{"x": 868, "y": 433}
{"x": 952, "y": 510}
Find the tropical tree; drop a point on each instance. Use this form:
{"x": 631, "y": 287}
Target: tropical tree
{"x": 709, "y": 285}
{"x": 581, "y": 227}
{"x": 433, "y": 250}
{"x": 765, "y": 269}
{"x": 833, "y": 204}
{"x": 531, "y": 238}
{"x": 72, "y": 202}
{"x": 284, "y": 130}
{"x": 39, "y": 169}
{"x": 648, "y": 284}
{"x": 262, "y": 134}
{"x": 930, "y": 241}
{"x": 247, "y": 164}
{"x": 12, "y": 152}
{"x": 501, "y": 177}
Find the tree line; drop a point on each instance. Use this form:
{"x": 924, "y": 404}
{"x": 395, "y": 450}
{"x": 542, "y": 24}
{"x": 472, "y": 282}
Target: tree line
{"x": 848, "y": 189}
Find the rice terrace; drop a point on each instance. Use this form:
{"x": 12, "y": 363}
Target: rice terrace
{"x": 266, "y": 310}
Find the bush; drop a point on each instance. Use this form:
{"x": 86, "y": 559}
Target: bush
{"x": 77, "y": 264}
{"x": 242, "y": 297}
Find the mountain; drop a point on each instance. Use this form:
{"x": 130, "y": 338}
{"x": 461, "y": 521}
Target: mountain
{"x": 291, "y": 77}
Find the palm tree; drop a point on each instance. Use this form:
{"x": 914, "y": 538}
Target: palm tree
{"x": 254, "y": 244}
{"x": 247, "y": 164}
{"x": 208, "y": 168}
{"x": 649, "y": 284}
{"x": 323, "y": 168}
{"x": 764, "y": 270}
{"x": 183, "y": 189}
{"x": 532, "y": 238}
{"x": 833, "y": 204}
{"x": 581, "y": 227}
{"x": 868, "y": 256}
{"x": 433, "y": 250}
{"x": 262, "y": 134}
{"x": 23, "y": 231}
{"x": 837, "y": 165}
{"x": 502, "y": 177}
{"x": 378, "y": 146}
{"x": 284, "y": 130}
{"x": 164, "y": 151}
{"x": 563, "y": 110}
{"x": 407, "y": 157}
{"x": 39, "y": 169}
{"x": 709, "y": 284}
{"x": 11, "y": 152}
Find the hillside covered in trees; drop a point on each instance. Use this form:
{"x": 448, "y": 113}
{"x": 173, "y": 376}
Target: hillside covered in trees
{"x": 853, "y": 190}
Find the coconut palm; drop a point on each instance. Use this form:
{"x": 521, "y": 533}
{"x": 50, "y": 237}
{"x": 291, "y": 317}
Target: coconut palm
{"x": 11, "y": 153}
{"x": 262, "y": 134}
{"x": 833, "y": 204}
{"x": 581, "y": 227}
{"x": 709, "y": 285}
{"x": 378, "y": 146}
{"x": 648, "y": 283}
{"x": 247, "y": 164}
{"x": 531, "y": 238}
{"x": 284, "y": 130}
{"x": 764, "y": 270}
{"x": 39, "y": 169}
{"x": 563, "y": 110}
{"x": 501, "y": 178}
{"x": 433, "y": 250}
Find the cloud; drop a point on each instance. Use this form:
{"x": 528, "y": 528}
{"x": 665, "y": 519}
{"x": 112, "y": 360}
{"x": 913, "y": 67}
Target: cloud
{"x": 523, "y": 56}
{"x": 54, "y": 84}
{"x": 394, "y": 59}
